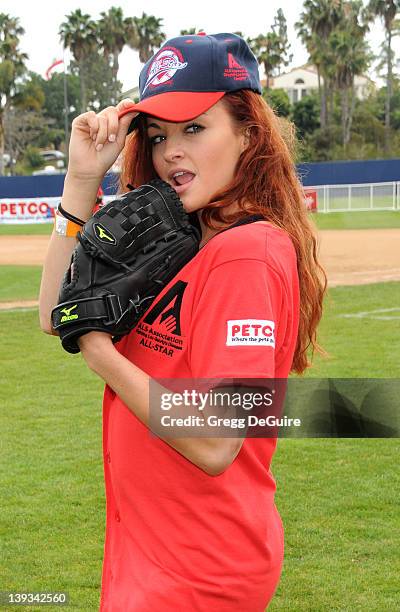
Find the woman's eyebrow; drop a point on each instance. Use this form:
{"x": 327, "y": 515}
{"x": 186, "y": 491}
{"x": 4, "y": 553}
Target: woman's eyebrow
{"x": 154, "y": 125}
{"x": 157, "y": 127}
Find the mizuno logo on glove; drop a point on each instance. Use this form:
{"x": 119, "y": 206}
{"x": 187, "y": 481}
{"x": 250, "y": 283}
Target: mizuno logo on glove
{"x": 103, "y": 235}
{"x": 67, "y": 314}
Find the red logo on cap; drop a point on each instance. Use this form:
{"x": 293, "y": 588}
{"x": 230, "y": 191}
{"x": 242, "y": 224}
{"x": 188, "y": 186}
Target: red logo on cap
{"x": 235, "y": 70}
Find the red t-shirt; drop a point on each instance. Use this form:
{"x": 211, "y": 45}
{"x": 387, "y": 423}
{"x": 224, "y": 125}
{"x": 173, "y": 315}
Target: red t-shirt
{"x": 177, "y": 538}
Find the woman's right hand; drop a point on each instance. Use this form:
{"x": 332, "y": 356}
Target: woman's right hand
{"x": 97, "y": 140}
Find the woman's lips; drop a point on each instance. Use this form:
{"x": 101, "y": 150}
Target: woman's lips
{"x": 181, "y": 188}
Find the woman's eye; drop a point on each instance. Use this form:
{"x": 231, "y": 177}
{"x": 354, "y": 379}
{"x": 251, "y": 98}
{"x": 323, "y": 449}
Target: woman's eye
{"x": 154, "y": 140}
{"x": 193, "y": 128}
{"x": 196, "y": 128}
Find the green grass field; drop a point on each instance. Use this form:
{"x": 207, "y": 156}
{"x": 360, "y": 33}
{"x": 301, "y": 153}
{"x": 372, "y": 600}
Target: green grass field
{"x": 336, "y": 220}
{"x": 52, "y": 503}
{"x": 339, "y": 504}
{"x": 359, "y": 347}
{"x": 339, "y": 336}
{"x": 338, "y": 498}
{"x": 29, "y": 229}
{"x": 19, "y": 282}
{"x": 357, "y": 220}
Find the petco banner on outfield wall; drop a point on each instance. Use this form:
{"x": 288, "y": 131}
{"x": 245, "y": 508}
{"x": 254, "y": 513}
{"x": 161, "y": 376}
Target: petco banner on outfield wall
{"x": 31, "y": 210}
{"x": 27, "y": 210}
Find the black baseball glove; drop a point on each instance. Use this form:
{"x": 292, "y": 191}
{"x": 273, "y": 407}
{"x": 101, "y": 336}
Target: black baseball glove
{"x": 127, "y": 252}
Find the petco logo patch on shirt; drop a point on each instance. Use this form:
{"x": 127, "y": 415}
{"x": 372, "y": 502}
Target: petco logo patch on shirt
{"x": 250, "y": 332}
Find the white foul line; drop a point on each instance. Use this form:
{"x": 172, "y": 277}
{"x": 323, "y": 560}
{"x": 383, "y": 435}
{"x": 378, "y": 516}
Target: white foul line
{"x": 370, "y": 314}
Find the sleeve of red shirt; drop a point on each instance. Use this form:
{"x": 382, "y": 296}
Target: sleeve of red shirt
{"x": 237, "y": 321}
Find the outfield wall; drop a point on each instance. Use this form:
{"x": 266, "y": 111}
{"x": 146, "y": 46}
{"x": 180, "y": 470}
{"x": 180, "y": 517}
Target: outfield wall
{"x": 311, "y": 174}
{"x": 33, "y": 199}
{"x": 42, "y": 186}
{"x": 334, "y": 186}
{"x": 350, "y": 172}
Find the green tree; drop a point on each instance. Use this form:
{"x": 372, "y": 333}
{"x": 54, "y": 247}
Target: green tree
{"x": 387, "y": 10}
{"x": 149, "y": 36}
{"x": 26, "y": 123}
{"x": 79, "y": 34}
{"x": 305, "y": 115}
{"x": 278, "y": 99}
{"x": 394, "y": 104}
{"x": 29, "y": 94}
{"x": 368, "y": 128}
{"x": 53, "y": 107}
{"x": 272, "y": 49}
{"x": 190, "y": 31}
{"x": 33, "y": 157}
{"x": 12, "y": 66}
{"x": 349, "y": 47}
{"x": 34, "y": 130}
{"x": 101, "y": 87}
{"x": 115, "y": 32}
{"x": 317, "y": 21}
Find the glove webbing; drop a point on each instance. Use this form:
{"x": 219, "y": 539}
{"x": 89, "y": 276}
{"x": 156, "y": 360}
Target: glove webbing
{"x": 137, "y": 223}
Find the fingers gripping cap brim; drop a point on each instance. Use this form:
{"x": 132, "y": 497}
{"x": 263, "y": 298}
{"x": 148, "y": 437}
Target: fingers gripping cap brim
{"x": 174, "y": 106}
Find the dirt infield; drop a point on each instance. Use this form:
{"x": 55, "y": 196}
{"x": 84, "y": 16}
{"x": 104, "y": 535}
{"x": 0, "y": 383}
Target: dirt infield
{"x": 359, "y": 257}
{"x": 23, "y": 250}
{"x": 350, "y": 257}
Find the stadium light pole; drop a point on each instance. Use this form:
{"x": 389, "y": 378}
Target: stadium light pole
{"x": 66, "y": 129}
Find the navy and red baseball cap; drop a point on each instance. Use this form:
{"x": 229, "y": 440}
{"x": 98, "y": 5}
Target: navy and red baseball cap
{"x": 189, "y": 74}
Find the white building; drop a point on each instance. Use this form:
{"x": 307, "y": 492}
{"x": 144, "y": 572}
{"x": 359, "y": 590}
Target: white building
{"x": 131, "y": 93}
{"x": 299, "y": 82}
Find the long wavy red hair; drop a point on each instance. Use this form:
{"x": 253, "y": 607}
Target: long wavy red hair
{"x": 271, "y": 188}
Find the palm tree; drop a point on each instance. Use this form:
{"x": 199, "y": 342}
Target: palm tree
{"x": 317, "y": 21}
{"x": 272, "y": 49}
{"x": 115, "y": 32}
{"x": 266, "y": 48}
{"x": 352, "y": 55}
{"x": 387, "y": 11}
{"x": 12, "y": 66}
{"x": 79, "y": 34}
{"x": 189, "y": 32}
{"x": 149, "y": 36}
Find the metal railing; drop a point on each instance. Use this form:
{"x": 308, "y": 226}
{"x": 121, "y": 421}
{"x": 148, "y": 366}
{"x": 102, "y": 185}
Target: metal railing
{"x": 361, "y": 197}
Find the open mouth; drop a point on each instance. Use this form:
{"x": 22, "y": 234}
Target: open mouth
{"x": 182, "y": 182}
{"x": 182, "y": 178}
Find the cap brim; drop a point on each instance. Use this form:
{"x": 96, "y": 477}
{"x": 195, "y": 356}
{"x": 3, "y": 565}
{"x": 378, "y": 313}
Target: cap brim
{"x": 174, "y": 106}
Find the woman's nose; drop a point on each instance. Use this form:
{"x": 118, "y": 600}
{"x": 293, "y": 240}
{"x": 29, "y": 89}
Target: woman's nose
{"x": 173, "y": 149}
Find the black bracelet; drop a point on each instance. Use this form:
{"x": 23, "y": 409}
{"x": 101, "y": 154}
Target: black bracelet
{"x": 68, "y": 215}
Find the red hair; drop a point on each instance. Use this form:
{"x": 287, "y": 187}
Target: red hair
{"x": 271, "y": 188}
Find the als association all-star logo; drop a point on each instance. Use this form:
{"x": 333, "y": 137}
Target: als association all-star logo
{"x": 160, "y": 330}
{"x": 104, "y": 235}
{"x": 235, "y": 71}
{"x": 164, "y": 67}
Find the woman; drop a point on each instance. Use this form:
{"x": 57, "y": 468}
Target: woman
{"x": 191, "y": 522}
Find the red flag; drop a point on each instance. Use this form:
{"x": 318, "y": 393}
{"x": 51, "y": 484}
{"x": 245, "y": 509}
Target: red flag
{"x": 50, "y": 68}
